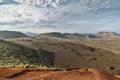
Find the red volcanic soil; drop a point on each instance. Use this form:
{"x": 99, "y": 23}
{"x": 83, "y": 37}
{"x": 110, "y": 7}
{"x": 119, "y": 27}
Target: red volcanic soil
{"x": 85, "y": 74}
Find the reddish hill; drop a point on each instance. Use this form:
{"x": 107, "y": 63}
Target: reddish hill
{"x": 85, "y": 74}
{"x": 105, "y": 34}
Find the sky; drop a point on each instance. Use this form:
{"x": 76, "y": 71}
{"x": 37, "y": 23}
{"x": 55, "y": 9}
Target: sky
{"x": 67, "y": 16}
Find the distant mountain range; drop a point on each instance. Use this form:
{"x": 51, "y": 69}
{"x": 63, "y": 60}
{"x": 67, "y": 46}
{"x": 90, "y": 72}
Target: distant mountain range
{"x": 102, "y": 34}
{"x": 78, "y": 35}
{"x": 31, "y": 34}
{"x": 16, "y": 34}
{"x": 105, "y": 34}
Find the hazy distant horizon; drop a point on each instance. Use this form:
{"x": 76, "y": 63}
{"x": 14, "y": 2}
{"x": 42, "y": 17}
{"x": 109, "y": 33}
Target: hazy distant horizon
{"x": 62, "y": 32}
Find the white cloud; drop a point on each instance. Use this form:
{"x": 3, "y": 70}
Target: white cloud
{"x": 59, "y": 15}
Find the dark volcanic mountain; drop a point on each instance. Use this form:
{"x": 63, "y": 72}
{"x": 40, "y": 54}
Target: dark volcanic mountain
{"x": 77, "y": 35}
{"x": 103, "y": 34}
{"x": 53, "y": 34}
{"x": 11, "y": 34}
{"x": 67, "y": 35}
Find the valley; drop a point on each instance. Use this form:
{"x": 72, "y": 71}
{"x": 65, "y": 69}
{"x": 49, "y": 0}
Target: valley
{"x": 77, "y": 52}
{"x": 59, "y": 39}
{"x": 56, "y": 51}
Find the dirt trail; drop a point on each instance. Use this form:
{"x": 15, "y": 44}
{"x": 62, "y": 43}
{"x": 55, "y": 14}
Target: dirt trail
{"x": 85, "y": 74}
{"x": 39, "y": 54}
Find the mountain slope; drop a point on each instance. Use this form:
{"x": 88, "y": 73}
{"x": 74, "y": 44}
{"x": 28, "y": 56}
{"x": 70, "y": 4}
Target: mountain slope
{"x": 72, "y": 54}
{"x": 11, "y": 34}
{"x": 77, "y": 35}
{"x": 12, "y": 54}
{"x": 31, "y": 34}
{"x": 52, "y": 34}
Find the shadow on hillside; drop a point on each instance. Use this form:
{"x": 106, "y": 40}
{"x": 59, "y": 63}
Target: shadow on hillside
{"x": 47, "y": 58}
{"x": 70, "y": 55}
{"x": 13, "y": 54}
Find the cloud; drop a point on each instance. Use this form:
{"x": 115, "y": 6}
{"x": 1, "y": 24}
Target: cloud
{"x": 66, "y": 16}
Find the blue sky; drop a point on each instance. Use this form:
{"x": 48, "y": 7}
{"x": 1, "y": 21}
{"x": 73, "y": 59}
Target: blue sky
{"x": 81, "y": 16}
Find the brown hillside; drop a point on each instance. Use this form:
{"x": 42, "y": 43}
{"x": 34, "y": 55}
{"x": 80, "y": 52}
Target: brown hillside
{"x": 75, "y": 55}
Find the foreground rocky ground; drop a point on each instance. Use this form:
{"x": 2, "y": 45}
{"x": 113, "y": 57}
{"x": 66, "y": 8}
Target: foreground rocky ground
{"x": 52, "y": 74}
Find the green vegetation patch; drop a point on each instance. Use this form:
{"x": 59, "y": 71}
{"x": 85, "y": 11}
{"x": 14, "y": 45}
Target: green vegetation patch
{"x": 16, "y": 55}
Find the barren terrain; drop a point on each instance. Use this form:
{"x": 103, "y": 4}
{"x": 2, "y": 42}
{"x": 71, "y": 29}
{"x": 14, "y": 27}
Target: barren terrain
{"x": 51, "y": 74}
{"x": 78, "y": 53}
{"x": 69, "y": 57}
